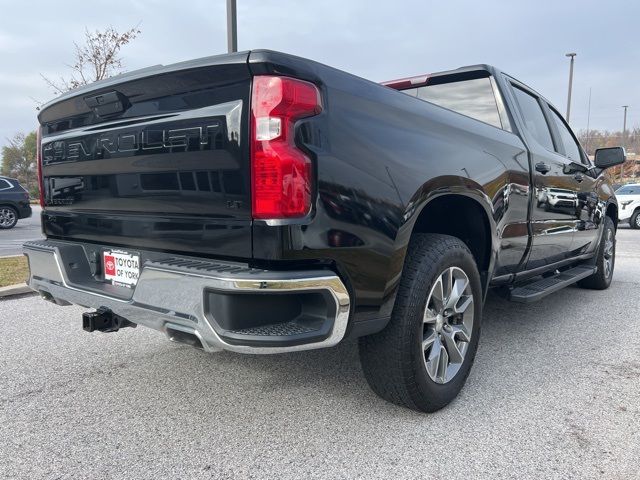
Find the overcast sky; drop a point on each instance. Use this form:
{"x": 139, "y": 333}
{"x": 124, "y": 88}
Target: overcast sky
{"x": 378, "y": 40}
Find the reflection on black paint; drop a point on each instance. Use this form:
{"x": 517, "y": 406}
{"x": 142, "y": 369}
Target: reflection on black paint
{"x": 341, "y": 238}
{"x": 356, "y": 206}
{"x": 159, "y": 181}
{"x": 186, "y": 181}
{"x": 203, "y": 181}
{"x": 232, "y": 182}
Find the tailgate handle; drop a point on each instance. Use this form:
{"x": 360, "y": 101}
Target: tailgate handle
{"x": 108, "y": 103}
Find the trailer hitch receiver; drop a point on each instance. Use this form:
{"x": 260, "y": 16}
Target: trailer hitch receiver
{"x": 104, "y": 320}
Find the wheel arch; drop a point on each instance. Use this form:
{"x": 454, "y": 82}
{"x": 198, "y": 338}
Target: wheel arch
{"x": 612, "y": 212}
{"x": 460, "y": 209}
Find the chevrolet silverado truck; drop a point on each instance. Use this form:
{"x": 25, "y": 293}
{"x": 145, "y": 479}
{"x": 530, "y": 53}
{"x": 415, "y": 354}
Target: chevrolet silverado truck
{"x": 260, "y": 203}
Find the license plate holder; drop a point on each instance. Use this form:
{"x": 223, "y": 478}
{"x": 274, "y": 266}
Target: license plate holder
{"x": 121, "y": 268}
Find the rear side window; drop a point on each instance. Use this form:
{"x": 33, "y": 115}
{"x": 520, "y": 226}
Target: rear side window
{"x": 534, "y": 118}
{"x": 473, "y": 98}
{"x": 4, "y": 184}
{"x": 571, "y": 148}
{"x": 628, "y": 190}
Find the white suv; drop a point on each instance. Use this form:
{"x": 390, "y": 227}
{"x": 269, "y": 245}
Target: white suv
{"x": 629, "y": 201}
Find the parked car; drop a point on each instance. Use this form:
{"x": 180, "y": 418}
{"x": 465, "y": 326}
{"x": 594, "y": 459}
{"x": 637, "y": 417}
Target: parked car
{"x": 264, "y": 203}
{"x": 14, "y": 203}
{"x": 629, "y": 200}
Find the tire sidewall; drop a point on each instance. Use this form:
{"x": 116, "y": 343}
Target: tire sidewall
{"x": 442, "y": 394}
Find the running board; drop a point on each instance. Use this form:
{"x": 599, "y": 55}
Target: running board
{"x": 532, "y": 292}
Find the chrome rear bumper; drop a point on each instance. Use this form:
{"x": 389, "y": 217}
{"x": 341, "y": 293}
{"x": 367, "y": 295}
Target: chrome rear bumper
{"x": 171, "y": 296}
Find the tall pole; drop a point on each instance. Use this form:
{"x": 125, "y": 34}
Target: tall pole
{"x": 624, "y": 137}
{"x": 586, "y": 147}
{"x": 232, "y": 27}
{"x": 572, "y": 56}
{"x": 624, "y": 127}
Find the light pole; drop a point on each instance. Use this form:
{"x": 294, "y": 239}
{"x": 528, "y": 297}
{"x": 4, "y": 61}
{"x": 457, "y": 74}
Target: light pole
{"x": 586, "y": 147}
{"x": 624, "y": 127}
{"x": 232, "y": 27}
{"x": 624, "y": 137}
{"x": 572, "y": 56}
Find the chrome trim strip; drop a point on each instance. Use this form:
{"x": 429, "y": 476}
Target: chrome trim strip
{"x": 171, "y": 298}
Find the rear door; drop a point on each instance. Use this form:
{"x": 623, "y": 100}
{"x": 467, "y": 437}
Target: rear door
{"x": 555, "y": 198}
{"x": 156, "y": 159}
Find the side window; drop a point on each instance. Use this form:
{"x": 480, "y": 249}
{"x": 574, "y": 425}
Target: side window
{"x": 473, "y": 98}
{"x": 533, "y": 117}
{"x": 4, "y": 185}
{"x": 628, "y": 190}
{"x": 571, "y": 148}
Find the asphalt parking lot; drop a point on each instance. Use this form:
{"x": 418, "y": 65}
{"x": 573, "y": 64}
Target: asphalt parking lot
{"x": 555, "y": 393}
{"x": 26, "y": 229}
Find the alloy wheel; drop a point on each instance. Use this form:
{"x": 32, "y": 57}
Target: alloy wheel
{"x": 7, "y": 217}
{"x": 447, "y": 324}
{"x": 609, "y": 252}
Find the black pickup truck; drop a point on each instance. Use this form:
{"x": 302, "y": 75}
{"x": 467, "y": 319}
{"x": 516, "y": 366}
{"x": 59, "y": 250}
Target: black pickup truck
{"x": 262, "y": 203}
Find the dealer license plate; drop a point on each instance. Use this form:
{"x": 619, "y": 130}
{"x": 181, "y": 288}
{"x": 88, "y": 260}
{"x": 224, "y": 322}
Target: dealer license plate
{"x": 121, "y": 268}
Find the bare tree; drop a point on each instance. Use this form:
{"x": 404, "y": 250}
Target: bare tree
{"x": 18, "y": 160}
{"x": 98, "y": 58}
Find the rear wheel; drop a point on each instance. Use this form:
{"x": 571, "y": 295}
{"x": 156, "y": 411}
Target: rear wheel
{"x": 605, "y": 259}
{"x": 422, "y": 358}
{"x": 635, "y": 220}
{"x": 8, "y": 217}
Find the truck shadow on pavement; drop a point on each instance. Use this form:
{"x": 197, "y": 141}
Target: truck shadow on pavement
{"x": 516, "y": 339}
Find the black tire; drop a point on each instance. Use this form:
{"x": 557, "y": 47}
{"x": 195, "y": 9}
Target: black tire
{"x": 635, "y": 220}
{"x": 602, "y": 278}
{"x": 393, "y": 360}
{"x": 8, "y": 217}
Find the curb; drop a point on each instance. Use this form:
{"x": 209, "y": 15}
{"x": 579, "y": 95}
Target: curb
{"x": 18, "y": 289}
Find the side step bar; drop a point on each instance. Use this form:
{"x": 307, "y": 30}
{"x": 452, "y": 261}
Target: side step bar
{"x": 534, "y": 291}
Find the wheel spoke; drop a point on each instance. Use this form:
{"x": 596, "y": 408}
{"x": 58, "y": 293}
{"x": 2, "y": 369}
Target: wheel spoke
{"x": 458, "y": 287}
{"x": 428, "y": 340}
{"x": 463, "y": 303}
{"x": 429, "y": 316}
{"x": 447, "y": 286}
{"x": 452, "y": 348}
{"x": 443, "y": 363}
{"x": 434, "y": 357}
{"x": 461, "y": 332}
{"x": 437, "y": 295}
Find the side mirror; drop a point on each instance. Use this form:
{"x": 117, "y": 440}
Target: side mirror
{"x": 609, "y": 157}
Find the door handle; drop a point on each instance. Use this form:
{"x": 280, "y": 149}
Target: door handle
{"x": 543, "y": 168}
{"x": 578, "y": 177}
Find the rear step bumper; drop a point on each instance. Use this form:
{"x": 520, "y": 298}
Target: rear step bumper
{"x": 207, "y": 304}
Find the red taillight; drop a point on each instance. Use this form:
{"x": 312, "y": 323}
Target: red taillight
{"x": 281, "y": 173}
{"x": 39, "y": 164}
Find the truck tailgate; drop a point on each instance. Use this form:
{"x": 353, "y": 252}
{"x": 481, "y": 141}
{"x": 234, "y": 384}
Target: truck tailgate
{"x": 156, "y": 159}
